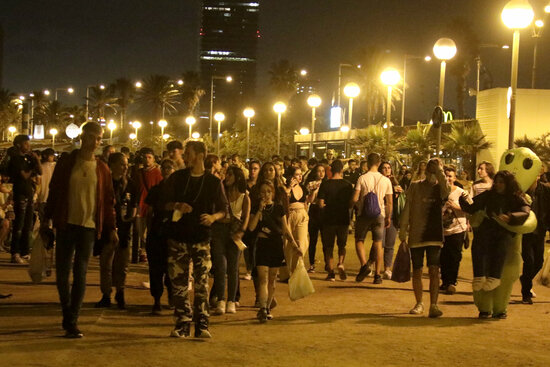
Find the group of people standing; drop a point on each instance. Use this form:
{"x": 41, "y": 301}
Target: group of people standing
{"x": 191, "y": 216}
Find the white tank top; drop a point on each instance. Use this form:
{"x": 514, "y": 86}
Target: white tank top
{"x": 237, "y": 206}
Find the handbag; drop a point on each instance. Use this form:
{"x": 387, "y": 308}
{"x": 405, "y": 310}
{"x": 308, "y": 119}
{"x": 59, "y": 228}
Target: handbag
{"x": 401, "y": 271}
{"x": 299, "y": 284}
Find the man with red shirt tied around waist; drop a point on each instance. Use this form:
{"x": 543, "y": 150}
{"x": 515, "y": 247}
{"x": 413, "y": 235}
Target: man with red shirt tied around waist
{"x": 81, "y": 207}
{"x": 147, "y": 177}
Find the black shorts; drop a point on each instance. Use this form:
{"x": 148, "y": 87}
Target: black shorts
{"x": 269, "y": 252}
{"x": 432, "y": 256}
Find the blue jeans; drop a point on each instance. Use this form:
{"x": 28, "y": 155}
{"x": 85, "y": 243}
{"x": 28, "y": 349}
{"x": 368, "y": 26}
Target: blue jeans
{"x": 22, "y": 225}
{"x": 73, "y": 242}
{"x": 225, "y": 260}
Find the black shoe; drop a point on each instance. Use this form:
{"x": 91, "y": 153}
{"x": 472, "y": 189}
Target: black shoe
{"x": 156, "y": 310}
{"x": 119, "y": 298}
{"x": 331, "y": 277}
{"x": 443, "y": 287}
{"x": 182, "y": 330}
{"x": 500, "y": 316}
{"x": 363, "y": 272}
{"x": 201, "y": 328}
{"x": 262, "y": 315}
{"x": 377, "y": 279}
{"x": 73, "y": 333}
{"x": 104, "y": 302}
{"x": 527, "y": 300}
{"x": 484, "y": 315}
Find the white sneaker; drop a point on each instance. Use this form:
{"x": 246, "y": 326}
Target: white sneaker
{"x": 533, "y": 294}
{"x": 370, "y": 266}
{"x": 231, "y": 307}
{"x": 220, "y": 308}
{"x": 387, "y": 274}
{"x": 146, "y": 285}
{"x": 247, "y": 276}
{"x": 418, "y": 309}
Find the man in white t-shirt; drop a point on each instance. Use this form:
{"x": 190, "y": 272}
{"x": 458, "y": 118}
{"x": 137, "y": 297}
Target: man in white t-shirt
{"x": 372, "y": 181}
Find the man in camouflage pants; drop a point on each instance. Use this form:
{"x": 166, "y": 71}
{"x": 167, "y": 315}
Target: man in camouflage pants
{"x": 198, "y": 200}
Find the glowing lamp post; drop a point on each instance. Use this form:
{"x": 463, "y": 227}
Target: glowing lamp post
{"x": 111, "y": 126}
{"x": 136, "y": 125}
{"x": 351, "y": 90}
{"x": 389, "y": 77}
{"x": 444, "y": 49}
{"x": 72, "y": 131}
{"x": 248, "y": 113}
{"x": 516, "y": 15}
{"x": 162, "y": 124}
{"x": 228, "y": 79}
{"x": 190, "y": 120}
{"x": 219, "y": 117}
{"x": 279, "y": 109}
{"x": 313, "y": 101}
{"x": 53, "y": 133}
{"x": 196, "y": 135}
{"x": 12, "y": 131}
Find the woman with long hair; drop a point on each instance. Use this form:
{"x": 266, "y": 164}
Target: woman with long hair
{"x": 420, "y": 173}
{"x": 486, "y": 173}
{"x": 313, "y": 182}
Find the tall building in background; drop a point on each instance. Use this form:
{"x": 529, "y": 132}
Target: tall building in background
{"x": 229, "y": 37}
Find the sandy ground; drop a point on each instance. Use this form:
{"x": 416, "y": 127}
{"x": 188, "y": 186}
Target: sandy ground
{"x": 342, "y": 324}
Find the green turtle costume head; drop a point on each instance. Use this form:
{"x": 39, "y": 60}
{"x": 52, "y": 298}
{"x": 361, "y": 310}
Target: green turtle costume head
{"x": 523, "y": 163}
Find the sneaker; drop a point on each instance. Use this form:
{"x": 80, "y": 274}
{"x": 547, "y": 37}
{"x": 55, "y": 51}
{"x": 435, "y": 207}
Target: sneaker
{"x": 156, "y": 310}
{"x": 182, "y": 330}
{"x": 443, "y": 287}
{"x": 418, "y": 309}
{"x": 247, "y": 276}
{"x": 370, "y": 266}
{"x": 484, "y": 315}
{"x": 269, "y": 315}
{"x": 73, "y": 333}
{"x": 201, "y": 328}
{"x": 527, "y": 300}
{"x": 311, "y": 269}
{"x": 331, "y": 277}
{"x": 377, "y": 279}
{"x": 500, "y": 316}
{"x": 364, "y": 271}
{"x": 26, "y": 257}
{"x": 387, "y": 274}
{"x": 435, "y": 311}
{"x": 17, "y": 259}
{"x": 231, "y": 307}
{"x": 342, "y": 272}
{"x": 451, "y": 289}
{"x": 146, "y": 285}
{"x": 104, "y": 302}
{"x": 220, "y": 308}
{"x": 273, "y": 304}
{"x": 262, "y": 315}
{"x": 119, "y": 298}
{"x": 533, "y": 294}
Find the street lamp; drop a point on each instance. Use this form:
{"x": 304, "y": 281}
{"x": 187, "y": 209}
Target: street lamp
{"x": 111, "y": 126}
{"x": 279, "y": 109}
{"x": 219, "y": 117}
{"x": 517, "y": 14}
{"x": 248, "y": 113}
{"x": 12, "y": 131}
{"x": 351, "y": 90}
{"x": 196, "y": 135}
{"x": 138, "y": 84}
{"x": 537, "y": 34}
{"x": 444, "y": 49}
{"x": 389, "y": 77}
{"x": 190, "y": 120}
{"x": 313, "y": 101}
{"x": 228, "y": 79}
{"x": 408, "y": 57}
{"x": 304, "y": 131}
{"x": 162, "y": 124}
{"x": 53, "y": 133}
{"x": 136, "y": 125}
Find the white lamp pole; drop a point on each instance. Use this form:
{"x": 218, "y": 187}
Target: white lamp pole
{"x": 248, "y": 113}
{"x": 279, "y": 108}
{"x": 219, "y": 117}
{"x": 444, "y": 49}
{"x": 313, "y": 101}
{"x": 389, "y": 77}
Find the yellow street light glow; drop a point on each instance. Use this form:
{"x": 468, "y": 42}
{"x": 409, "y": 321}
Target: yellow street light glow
{"x": 46, "y": 92}
{"x": 304, "y": 131}
{"x": 444, "y": 49}
{"x": 111, "y": 126}
{"x": 428, "y": 58}
{"x": 249, "y": 113}
{"x": 303, "y": 72}
{"x": 196, "y": 135}
{"x": 166, "y": 136}
{"x": 190, "y": 120}
{"x": 163, "y": 123}
{"x": 352, "y": 90}
{"x": 133, "y": 136}
{"x": 517, "y": 14}
{"x": 229, "y": 78}
{"x": 344, "y": 128}
{"x": 138, "y": 85}
{"x": 22, "y": 98}
{"x": 505, "y": 47}
{"x": 539, "y": 23}
{"x": 219, "y": 116}
{"x": 53, "y": 132}
{"x": 12, "y": 129}
{"x": 102, "y": 87}
{"x": 136, "y": 125}
{"x": 314, "y": 101}
{"x": 279, "y": 107}
{"x": 180, "y": 82}
{"x": 390, "y": 77}
{"x": 547, "y": 8}
{"x": 70, "y": 90}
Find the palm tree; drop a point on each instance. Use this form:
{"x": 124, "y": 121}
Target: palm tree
{"x": 123, "y": 92}
{"x": 466, "y": 141}
{"x": 53, "y": 114}
{"x": 101, "y": 99}
{"x": 158, "y": 95}
{"x": 9, "y": 112}
{"x": 191, "y": 92}
{"x": 78, "y": 114}
{"x": 371, "y": 140}
{"x": 419, "y": 142}
{"x": 283, "y": 79}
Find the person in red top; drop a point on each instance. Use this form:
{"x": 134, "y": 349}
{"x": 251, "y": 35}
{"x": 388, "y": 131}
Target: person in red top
{"x": 147, "y": 177}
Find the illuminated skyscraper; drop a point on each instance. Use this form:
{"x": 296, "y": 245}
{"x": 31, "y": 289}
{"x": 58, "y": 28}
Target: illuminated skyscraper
{"x": 229, "y": 36}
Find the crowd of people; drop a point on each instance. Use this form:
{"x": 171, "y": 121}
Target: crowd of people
{"x": 191, "y": 215}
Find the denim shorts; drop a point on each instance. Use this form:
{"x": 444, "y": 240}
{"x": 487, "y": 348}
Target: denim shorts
{"x": 432, "y": 256}
{"x": 364, "y": 224}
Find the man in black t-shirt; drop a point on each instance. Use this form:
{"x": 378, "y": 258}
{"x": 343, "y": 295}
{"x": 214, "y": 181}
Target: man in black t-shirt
{"x": 198, "y": 200}
{"x": 352, "y": 173}
{"x": 22, "y": 167}
{"x": 334, "y": 199}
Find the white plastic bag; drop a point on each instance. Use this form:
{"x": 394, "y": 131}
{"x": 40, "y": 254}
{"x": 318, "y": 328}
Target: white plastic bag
{"x": 544, "y": 275}
{"x": 38, "y": 264}
{"x": 299, "y": 284}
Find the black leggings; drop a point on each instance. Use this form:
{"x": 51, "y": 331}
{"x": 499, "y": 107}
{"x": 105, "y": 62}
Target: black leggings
{"x": 314, "y": 227}
{"x": 451, "y": 255}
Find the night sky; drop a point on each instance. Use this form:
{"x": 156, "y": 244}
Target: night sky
{"x": 55, "y": 43}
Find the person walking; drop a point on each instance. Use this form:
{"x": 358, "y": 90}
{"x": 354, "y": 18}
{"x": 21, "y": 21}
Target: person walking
{"x": 315, "y": 179}
{"x": 422, "y": 221}
{"x": 81, "y": 206}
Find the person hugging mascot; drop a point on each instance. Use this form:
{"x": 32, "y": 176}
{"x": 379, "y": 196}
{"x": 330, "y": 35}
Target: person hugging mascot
{"x": 526, "y": 166}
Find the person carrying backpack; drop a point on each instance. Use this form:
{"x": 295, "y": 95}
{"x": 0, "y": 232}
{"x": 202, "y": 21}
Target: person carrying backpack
{"x": 372, "y": 214}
